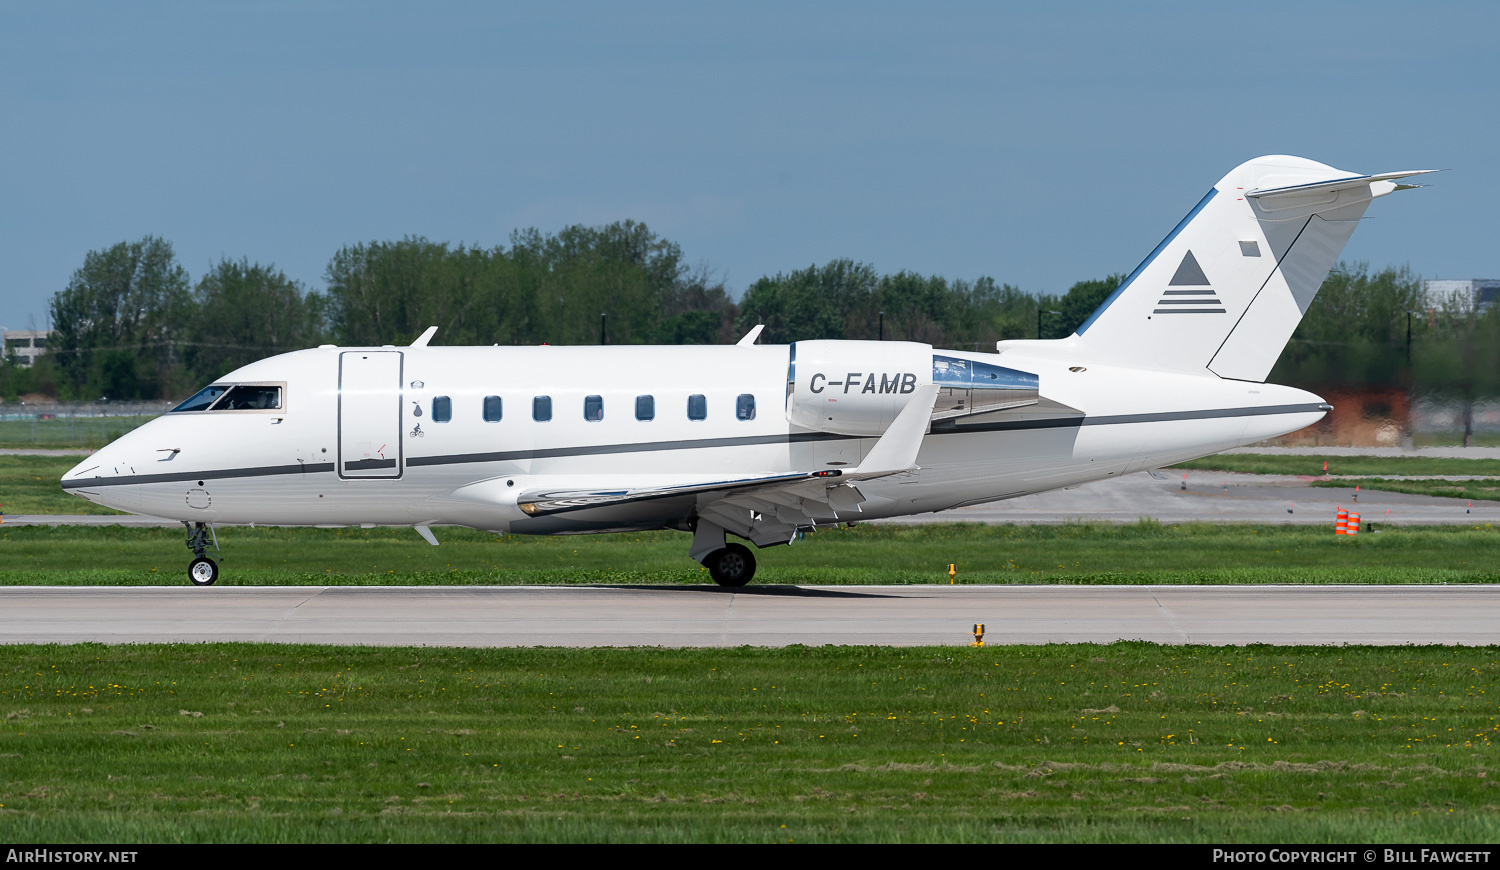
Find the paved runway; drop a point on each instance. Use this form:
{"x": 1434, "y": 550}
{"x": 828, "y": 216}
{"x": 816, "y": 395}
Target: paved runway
{"x": 768, "y": 616}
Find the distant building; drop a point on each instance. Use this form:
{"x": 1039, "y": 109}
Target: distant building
{"x": 25, "y": 345}
{"x": 1479, "y": 293}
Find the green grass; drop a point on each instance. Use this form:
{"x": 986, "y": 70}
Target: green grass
{"x": 869, "y": 554}
{"x": 1487, "y": 489}
{"x": 1126, "y": 742}
{"x": 91, "y": 432}
{"x": 29, "y": 485}
{"x": 1455, "y": 439}
{"x": 1312, "y": 465}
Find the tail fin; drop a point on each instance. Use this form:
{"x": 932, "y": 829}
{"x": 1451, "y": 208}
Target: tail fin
{"x": 1226, "y": 289}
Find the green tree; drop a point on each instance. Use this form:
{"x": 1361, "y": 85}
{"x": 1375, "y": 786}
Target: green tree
{"x": 808, "y": 304}
{"x": 1458, "y": 358}
{"x": 1076, "y": 305}
{"x": 547, "y": 288}
{"x": 118, "y": 322}
{"x": 1355, "y": 330}
{"x": 622, "y": 270}
{"x": 245, "y": 311}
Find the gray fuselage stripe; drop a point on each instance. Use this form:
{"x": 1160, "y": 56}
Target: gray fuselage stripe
{"x": 263, "y": 471}
{"x": 705, "y": 443}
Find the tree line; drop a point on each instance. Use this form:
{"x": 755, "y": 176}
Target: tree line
{"x": 131, "y": 324}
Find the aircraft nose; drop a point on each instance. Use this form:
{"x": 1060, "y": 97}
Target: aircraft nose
{"x": 100, "y": 473}
{"x": 77, "y": 479}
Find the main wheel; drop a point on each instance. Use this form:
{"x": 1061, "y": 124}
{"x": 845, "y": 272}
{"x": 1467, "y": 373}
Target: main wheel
{"x": 732, "y": 566}
{"x": 203, "y": 571}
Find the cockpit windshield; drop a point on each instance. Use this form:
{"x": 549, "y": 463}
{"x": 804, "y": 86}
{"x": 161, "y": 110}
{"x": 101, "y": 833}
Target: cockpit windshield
{"x": 202, "y": 399}
{"x": 238, "y": 397}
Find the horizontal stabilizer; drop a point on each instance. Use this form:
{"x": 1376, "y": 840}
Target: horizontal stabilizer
{"x": 1337, "y": 184}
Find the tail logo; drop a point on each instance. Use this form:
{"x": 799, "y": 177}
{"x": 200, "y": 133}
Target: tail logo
{"x": 1177, "y": 301}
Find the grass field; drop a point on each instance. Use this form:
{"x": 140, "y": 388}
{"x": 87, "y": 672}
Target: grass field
{"x": 1127, "y": 742}
{"x": 29, "y": 485}
{"x": 1456, "y": 439}
{"x": 92, "y": 432}
{"x": 1312, "y": 465}
{"x": 1080, "y": 554}
{"x": 1486, "y": 488}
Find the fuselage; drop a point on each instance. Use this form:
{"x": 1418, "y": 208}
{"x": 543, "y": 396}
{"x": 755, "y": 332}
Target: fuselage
{"x": 438, "y": 435}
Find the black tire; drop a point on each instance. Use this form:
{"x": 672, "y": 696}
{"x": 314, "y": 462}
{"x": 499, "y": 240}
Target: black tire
{"x": 203, "y": 572}
{"x": 733, "y": 566}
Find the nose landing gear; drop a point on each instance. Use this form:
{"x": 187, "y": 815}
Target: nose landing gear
{"x": 202, "y": 571}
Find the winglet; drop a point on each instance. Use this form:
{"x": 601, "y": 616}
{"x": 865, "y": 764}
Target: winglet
{"x": 751, "y": 336}
{"x": 425, "y": 337}
{"x": 896, "y": 451}
{"x": 422, "y": 528}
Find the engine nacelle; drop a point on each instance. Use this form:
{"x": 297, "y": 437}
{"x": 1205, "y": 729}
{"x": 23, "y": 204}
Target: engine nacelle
{"x": 853, "y": 387}
{"x": 858, "y": 387}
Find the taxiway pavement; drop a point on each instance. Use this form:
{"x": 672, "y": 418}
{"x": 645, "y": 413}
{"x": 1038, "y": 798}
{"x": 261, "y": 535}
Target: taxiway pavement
{"x": 759, "y": 616}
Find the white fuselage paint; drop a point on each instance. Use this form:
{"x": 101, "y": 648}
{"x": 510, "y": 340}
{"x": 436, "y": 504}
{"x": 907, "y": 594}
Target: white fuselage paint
{"x": 282, "y": 467}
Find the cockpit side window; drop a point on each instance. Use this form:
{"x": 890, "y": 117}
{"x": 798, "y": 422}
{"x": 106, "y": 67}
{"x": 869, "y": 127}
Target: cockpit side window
{"x": 202, "y": 399}
{"x": 250, "y": 397}
{"x": 236, "y": 397}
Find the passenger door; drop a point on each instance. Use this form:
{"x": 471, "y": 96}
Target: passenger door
{"x": 370, "y": 414}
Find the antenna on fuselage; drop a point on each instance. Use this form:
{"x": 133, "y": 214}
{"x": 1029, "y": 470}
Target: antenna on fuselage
{"x": 425, "y": 337}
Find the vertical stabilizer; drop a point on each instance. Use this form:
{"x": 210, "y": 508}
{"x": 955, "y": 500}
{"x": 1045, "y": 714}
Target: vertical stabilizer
{"x": 1225, "y": 290}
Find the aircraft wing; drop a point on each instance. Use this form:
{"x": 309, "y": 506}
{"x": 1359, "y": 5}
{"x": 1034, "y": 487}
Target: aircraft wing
{"x": 763, "y": 508}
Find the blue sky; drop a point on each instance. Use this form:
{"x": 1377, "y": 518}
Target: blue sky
{"x": 1036, "y": 145}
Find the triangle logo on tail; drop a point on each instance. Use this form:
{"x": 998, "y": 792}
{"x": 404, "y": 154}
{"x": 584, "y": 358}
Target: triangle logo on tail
{"x": 1189, "y": 274}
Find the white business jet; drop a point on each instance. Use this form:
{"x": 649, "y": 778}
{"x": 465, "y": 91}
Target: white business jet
{"x": 762, "y": 442}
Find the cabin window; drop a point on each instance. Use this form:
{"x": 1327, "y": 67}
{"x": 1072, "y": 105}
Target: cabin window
{"x": 593, "y": 408}
{"x": 492, "y": 409}
{"x": 247, "y": 397}
{"x": 541, "y": 409}
{"x": 442, "y": 409}
{"x": 202, "y": 399}
{"x": 697, "y": 407}
{"x": 744, "y": 407}
{"x": 645, "y": 407}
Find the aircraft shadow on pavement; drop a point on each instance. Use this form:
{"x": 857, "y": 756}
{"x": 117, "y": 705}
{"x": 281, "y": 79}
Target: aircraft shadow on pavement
{"x": 765, "y": 591}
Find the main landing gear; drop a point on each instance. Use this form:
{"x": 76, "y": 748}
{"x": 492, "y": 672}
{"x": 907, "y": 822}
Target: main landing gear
{"x": 731, "y": 565}
{"x": 202, "y": 571}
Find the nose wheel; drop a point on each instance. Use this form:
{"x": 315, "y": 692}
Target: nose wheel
{"x": 202, "y": 571}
